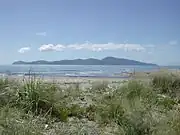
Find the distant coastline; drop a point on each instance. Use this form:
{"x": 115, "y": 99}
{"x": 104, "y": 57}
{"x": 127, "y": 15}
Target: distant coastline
{"x": 90, "y": 61}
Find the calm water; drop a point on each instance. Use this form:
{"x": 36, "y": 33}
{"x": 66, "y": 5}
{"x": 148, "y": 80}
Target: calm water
{"x": 73, "y": 70}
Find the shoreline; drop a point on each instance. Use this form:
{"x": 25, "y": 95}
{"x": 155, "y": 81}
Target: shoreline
{"x": 82, "y": 79}
{"x": 54, "y": 78}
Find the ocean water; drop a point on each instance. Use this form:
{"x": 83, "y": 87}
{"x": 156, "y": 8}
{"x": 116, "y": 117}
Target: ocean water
{"x": 73, "y": 70}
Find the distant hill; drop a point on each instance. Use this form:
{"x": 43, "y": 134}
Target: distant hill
{"x": 90, "y": 61}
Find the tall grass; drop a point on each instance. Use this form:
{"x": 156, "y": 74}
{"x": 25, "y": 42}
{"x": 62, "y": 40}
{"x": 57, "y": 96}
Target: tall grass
{"x": 33, "y": 107}
{"x": 139, "y": 110}
{"x": 167, "y": 84}
{"x": 14, "y": 122}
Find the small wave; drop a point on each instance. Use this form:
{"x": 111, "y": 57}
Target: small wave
{"x": 71, "y": 75}
{"x": 91, "y": 72}
{"x": 2, "y": 75}
{"x": 67, "y": 70}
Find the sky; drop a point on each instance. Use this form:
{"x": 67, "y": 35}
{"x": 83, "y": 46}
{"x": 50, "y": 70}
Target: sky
{"x": 144, "y": 30}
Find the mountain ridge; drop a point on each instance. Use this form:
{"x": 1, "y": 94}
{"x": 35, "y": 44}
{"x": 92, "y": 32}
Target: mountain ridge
{"x": 88, "y": 61}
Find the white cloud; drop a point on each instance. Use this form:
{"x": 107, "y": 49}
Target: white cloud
{"x": 24, "y": 49}
{"x": 93, "y": 47}
{"x": 41, "y": 34}
{"x": 133, "y": 47}
{"x": 51, "y": 47}
{"x": 173, "y": 42}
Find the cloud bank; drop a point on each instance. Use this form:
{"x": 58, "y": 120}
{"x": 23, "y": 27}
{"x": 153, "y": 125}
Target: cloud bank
{"x": 93, "y": 47}
{"x": 24, "y": 49}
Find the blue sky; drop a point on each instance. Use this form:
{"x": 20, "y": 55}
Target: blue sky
{"x": 67, "y": 29}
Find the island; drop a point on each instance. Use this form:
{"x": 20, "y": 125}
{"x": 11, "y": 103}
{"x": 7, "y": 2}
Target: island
{"x": 89, "y": 61}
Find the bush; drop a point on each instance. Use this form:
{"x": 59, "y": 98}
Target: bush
{"x": 4, "y": 82}
{"x": 8, "y": 92}
{"x": 166, "y": 84}
{"x": 13, "y": 123}
{"x": 100, "y": 86}
{"x": 42, "y": 99}
{"x": 135, "y": 108}
{"x": 76, "y": 111}
{"x": 130, "y": 107}
{"x": 91, "y": 111}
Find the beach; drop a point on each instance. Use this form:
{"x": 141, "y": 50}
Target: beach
{"x": 91, "y": 105}
{"x": 87, "y": 79}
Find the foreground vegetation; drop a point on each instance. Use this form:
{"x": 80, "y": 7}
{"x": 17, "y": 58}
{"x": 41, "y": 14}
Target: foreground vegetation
{"x": 33, "y": 107}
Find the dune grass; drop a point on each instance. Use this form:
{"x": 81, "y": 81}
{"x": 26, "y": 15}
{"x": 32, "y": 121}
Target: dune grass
{"x": 33, "y": 107}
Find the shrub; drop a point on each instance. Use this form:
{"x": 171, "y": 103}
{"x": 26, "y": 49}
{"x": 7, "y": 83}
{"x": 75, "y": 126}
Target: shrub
{"x": 100, "y": 86}
{"x": 41, "y": 98}
{"x": 135, "y": 108}
{"x": 8, "y": 92}
{"x": 13, "y": 123}
{"x": 166, "y": 102}
{"x": 129, "y": 107}
{"x": 4, "y": 82}
{"x": 76, "y": 111}
{"x": 166, "y": 84}
{"x": 91, "y": 111}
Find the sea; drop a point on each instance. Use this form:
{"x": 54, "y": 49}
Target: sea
{"x": 76, "y": 70}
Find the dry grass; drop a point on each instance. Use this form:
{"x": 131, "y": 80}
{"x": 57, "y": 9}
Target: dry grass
{"x": 132, "y": 108}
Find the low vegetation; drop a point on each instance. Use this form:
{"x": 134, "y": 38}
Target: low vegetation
{"x": 34, "y": 107}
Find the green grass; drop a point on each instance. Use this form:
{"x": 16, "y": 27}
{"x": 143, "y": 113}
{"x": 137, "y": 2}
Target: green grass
{"x": 134, "y": 108}
{"x": 167, "y": 84}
